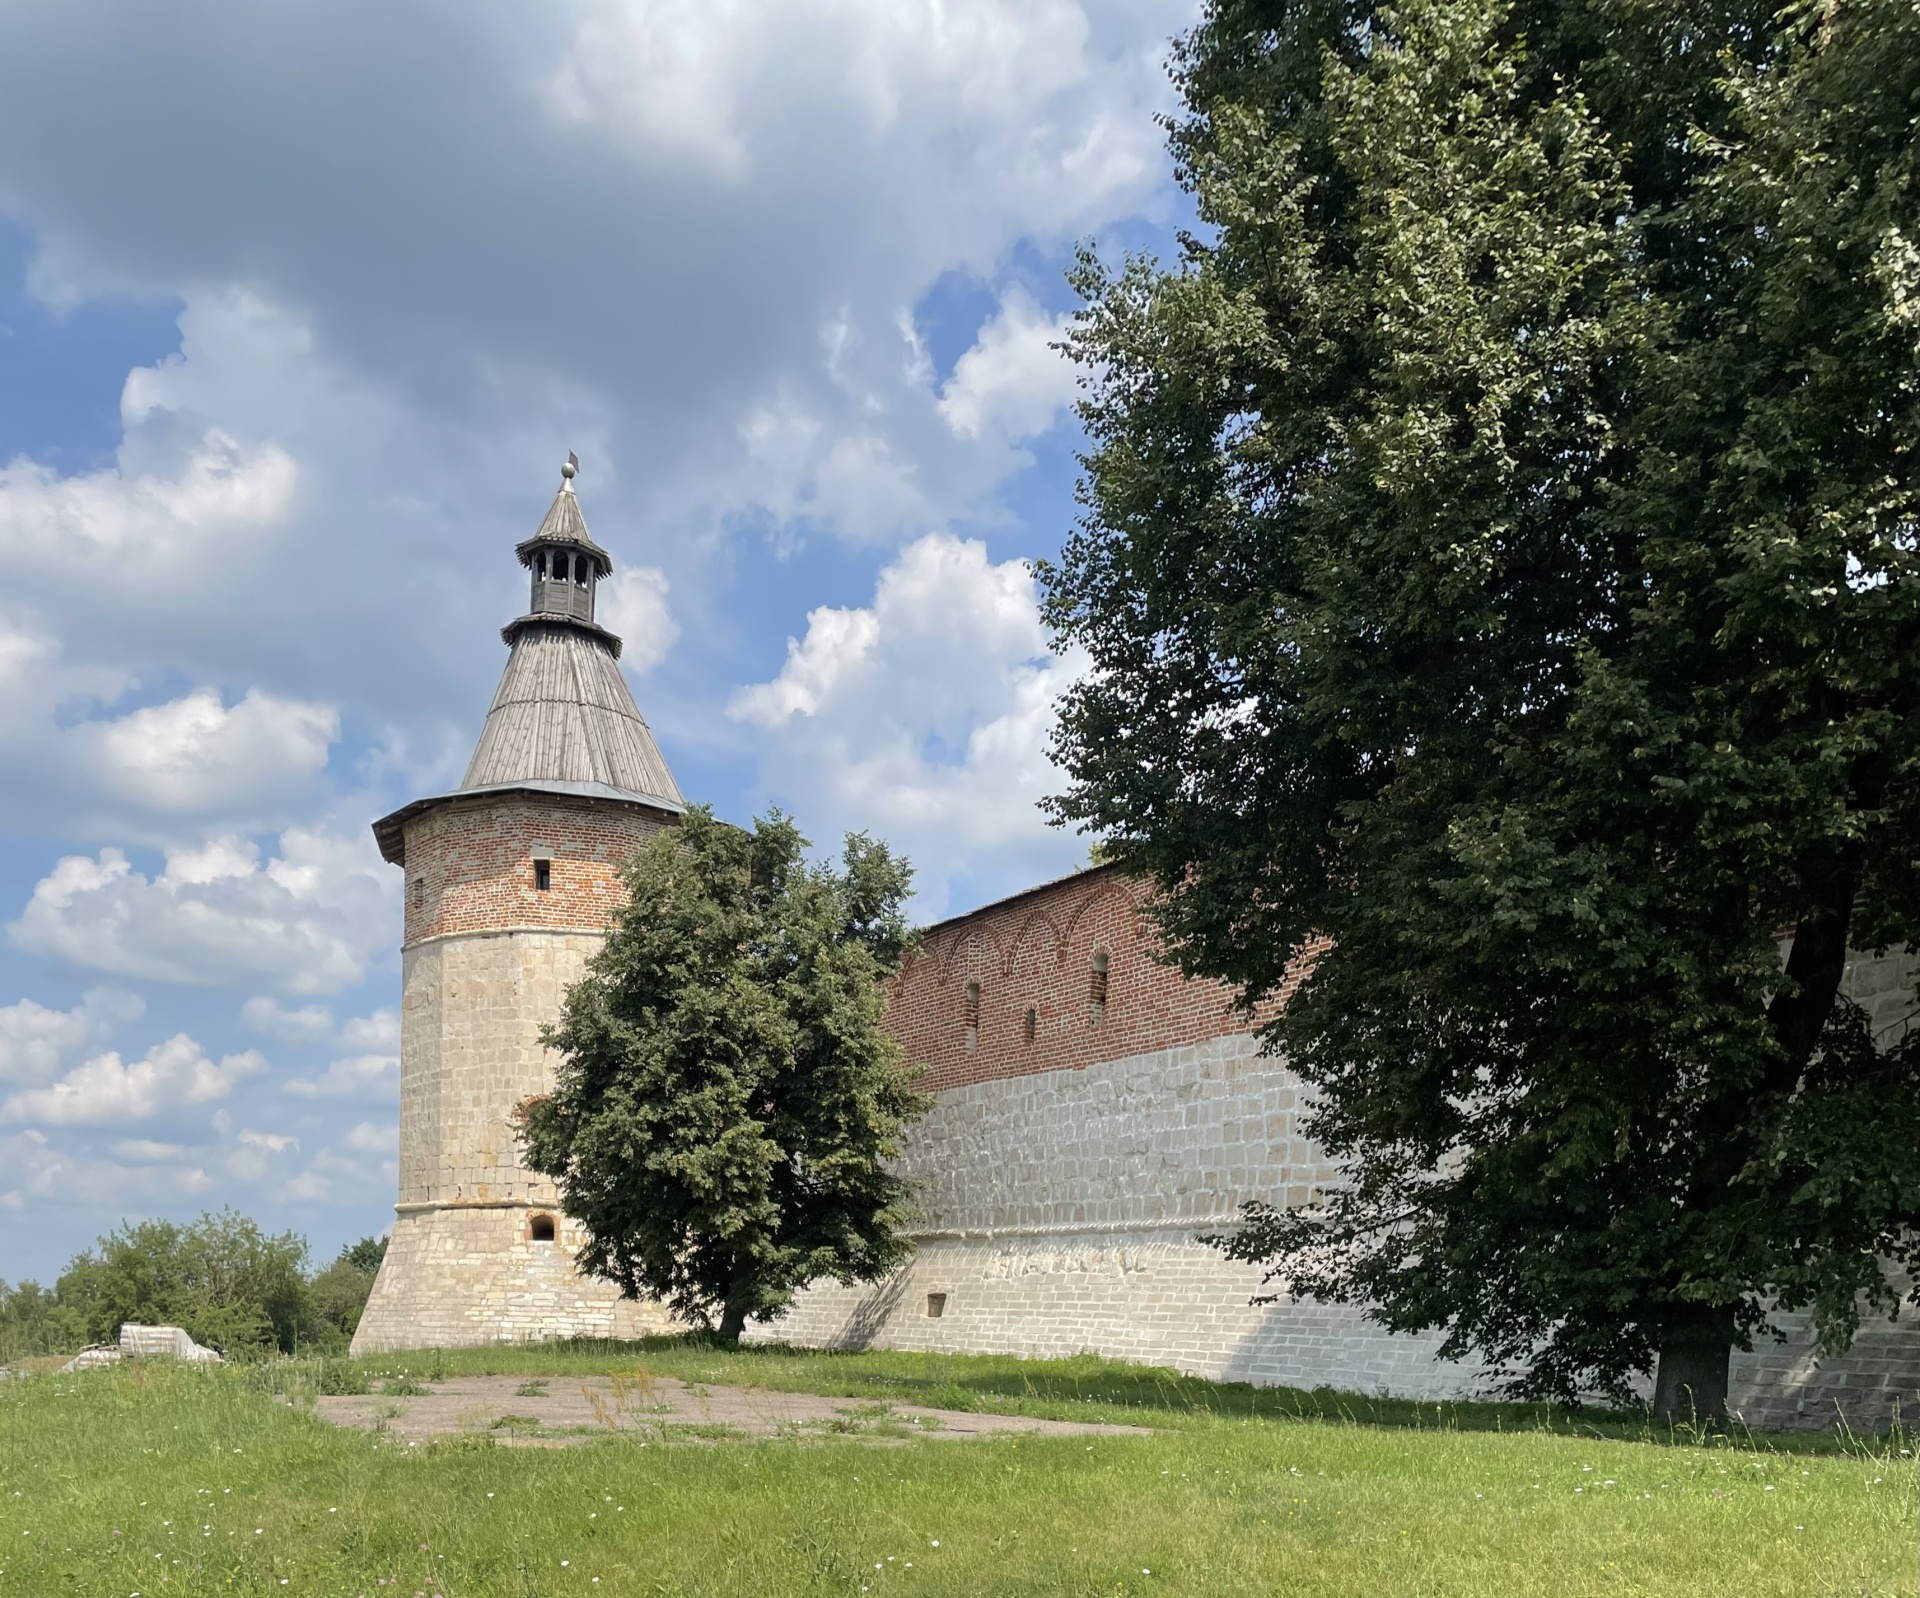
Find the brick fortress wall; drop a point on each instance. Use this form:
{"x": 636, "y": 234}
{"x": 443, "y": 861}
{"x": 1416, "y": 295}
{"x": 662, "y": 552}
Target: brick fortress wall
{"x": 1067, "y": 1177}
{"x": 1085, "y": 1137}
{"x": 1027, "y": 965}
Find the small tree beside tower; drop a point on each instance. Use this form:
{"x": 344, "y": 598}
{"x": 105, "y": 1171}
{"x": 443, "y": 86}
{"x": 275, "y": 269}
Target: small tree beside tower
{"x": 727, "y": 1098}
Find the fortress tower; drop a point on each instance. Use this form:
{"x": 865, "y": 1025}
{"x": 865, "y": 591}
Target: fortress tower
{"x": 510, "y": 885}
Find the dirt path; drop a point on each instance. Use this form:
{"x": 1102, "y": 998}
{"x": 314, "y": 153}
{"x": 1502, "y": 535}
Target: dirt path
{"x": 555, "y": 1411}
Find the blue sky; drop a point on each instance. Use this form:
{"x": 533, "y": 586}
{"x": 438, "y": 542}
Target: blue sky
{"x": 300, "y": 309}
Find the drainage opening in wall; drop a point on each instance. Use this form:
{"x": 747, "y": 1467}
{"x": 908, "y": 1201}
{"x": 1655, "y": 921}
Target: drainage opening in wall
{"x": 540, "y": 1229}
{"x": 936, "y": 1305}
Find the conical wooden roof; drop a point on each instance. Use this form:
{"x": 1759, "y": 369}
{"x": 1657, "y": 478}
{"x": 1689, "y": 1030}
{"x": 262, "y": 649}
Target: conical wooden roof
{"x": 563, "y": 714}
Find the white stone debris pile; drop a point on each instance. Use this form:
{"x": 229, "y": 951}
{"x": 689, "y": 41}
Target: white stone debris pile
{"x": 144, "y": 1342}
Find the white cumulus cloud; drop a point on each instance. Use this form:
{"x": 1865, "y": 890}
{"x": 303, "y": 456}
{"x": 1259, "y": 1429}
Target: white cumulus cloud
{"x": 367, "y": 1137}
{"x": 633, "y": 604}
{"x": 146, "y": 520}
{"x": 259, "y": 1153}
{"x": 923, "y": 718}
{"x": 380, "y": 1030}
{"x": 35, "y": 1040}
{"x": 196, "y": 754}
{"x": 358, "y": 1076}
{"x": 1014, "y": 382}
{"x": 306, "y": 1023}
{"x": 145, "y": 1151}
{"x": 79, "y": 1182}
{"x": 308, "y": 920}
{"x": 171, "y": 1074}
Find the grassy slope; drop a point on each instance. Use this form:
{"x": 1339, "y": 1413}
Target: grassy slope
{"x": 237, "y": 1493}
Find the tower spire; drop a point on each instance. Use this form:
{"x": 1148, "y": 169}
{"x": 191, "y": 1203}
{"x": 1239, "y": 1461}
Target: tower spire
{"x": 563, "y": 713}
{"x": 564, "y": 563}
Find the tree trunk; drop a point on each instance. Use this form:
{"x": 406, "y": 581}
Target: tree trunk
{"x": 1690, "y": 1381}
{"x": 733, "y": 1321}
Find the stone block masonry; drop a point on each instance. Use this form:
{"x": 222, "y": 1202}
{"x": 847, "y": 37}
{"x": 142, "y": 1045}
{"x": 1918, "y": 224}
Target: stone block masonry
{"x": 457, "y": 1275}
{"x": 1063, "y": 1212}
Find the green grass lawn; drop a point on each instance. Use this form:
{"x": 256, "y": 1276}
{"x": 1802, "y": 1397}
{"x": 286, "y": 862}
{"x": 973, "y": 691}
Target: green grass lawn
{"x": 159, "y": 1480}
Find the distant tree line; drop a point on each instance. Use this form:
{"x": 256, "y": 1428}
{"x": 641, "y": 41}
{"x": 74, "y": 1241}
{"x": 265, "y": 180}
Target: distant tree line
{"x": 230, "y": 1285}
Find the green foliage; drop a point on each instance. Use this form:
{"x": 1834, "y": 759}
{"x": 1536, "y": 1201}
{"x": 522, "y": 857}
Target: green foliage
{"x": 365, "y": 1256}
{"x": 727, "y": 1097}
{"x": 33, "y": 1322}
{"x": 1500, "y": 559}
{"x": 337, "y": 1295}
{"x": 230, "y": 1285}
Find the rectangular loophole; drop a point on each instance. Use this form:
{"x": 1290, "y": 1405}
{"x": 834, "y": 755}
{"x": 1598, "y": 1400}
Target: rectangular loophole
{"x": 936, "y": 1305}
{"x": 543, "y": 875}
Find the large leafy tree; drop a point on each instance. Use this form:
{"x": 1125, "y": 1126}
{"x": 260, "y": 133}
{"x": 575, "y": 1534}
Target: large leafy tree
{"x": 727, "y": 1098}
{"x": 1500, "y": 559}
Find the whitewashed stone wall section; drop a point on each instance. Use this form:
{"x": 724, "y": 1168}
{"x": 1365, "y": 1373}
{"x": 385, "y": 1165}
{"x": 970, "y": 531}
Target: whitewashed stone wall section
{"x": 1061, "y": 1213}
{"x": 1182, "y": 1135}
{"x": 1139, "y": 1297}
{"x": 472, "y": 1010}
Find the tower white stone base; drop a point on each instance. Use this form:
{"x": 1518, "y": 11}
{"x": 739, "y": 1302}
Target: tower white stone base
{"x": 465, "y": 1274}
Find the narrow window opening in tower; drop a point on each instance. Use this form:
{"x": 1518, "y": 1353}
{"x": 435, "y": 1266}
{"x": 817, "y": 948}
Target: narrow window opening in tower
{"x": 973, "y": 1016}
{"x": 1033, "y": 1022}
{"x": 936, "y": 1305}
{"x": 419, "y": 892}
{"x": 543, "y": 875}
{"x": 540, "y": 1229}
{"x": 540, "y": 564}
{"x": 1097, "y": 988}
